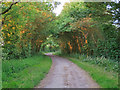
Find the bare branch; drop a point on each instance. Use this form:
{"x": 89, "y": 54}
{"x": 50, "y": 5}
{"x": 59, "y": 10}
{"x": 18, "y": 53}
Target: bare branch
{"x": 8, "y": 8}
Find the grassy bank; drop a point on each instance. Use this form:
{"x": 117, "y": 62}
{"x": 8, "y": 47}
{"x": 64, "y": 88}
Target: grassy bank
{"x": 104, "y": 77}
{"x": 25, "y": 73}
{"x": 0, "y": 74}
{"x": 0, "y": 68}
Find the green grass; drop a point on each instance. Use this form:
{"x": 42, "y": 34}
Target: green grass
{"x": 0, "y": 75}
{"x": 25, "y": 73}
{"x": 108, "y": 64}
{"x": 104, "y": 78}
{"x": 0, "y": 68}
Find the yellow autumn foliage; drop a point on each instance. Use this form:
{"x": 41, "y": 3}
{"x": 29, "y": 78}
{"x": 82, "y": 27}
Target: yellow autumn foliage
{"x": 13, "y": 27}
{"x": 8, "y": 42}
{"x": 5, "y": 25}
{"x": 8, "y": 34}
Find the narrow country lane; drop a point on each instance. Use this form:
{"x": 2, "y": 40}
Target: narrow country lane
{"x": 65, "y": 74}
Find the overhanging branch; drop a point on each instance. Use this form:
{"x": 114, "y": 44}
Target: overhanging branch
{"x": 8, "y": 8}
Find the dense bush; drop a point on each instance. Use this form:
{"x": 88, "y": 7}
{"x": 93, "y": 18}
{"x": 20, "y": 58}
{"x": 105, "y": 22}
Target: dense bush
{"x": 108, "y": 48}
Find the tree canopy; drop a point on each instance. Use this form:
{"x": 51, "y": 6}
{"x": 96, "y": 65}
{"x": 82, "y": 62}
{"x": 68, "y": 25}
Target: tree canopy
{"x": 82, "y": 27}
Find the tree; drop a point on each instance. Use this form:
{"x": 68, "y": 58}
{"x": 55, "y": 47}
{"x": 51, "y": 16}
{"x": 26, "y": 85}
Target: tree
{"x": 83, "y": 28}
{"x": 25, "y": 27}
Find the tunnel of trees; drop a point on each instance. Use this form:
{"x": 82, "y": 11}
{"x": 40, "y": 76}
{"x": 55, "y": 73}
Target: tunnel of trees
{"x": 82, "y": 27}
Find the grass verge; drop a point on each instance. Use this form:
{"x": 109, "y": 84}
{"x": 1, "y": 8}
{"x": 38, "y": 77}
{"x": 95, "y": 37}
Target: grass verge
{"x": 104, "y": 78}
{"x": 25, "y": 73}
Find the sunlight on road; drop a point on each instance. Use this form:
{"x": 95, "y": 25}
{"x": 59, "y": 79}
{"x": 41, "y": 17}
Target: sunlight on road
{"x": 48, "y": 54}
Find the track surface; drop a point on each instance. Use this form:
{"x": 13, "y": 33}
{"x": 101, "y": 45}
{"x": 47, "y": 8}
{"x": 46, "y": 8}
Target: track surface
{"x": 65, "y": 74}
